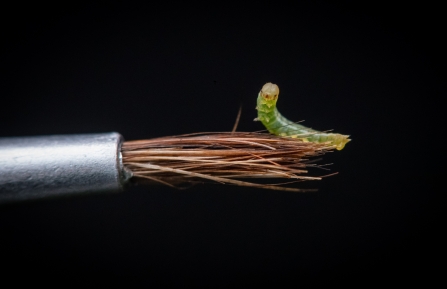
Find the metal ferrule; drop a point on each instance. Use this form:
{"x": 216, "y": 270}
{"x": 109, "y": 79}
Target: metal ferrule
{"x": 46, "y": 166}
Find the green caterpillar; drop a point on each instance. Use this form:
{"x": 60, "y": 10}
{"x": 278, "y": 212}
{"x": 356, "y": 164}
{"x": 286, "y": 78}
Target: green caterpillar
{"x": 277, "y": 124}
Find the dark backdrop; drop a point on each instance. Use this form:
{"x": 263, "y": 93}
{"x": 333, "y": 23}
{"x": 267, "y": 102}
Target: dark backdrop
{"x": 370, "y": 70}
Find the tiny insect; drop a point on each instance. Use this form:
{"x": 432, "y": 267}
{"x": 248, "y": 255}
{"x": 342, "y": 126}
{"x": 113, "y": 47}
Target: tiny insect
{"x": 277, "y": 124}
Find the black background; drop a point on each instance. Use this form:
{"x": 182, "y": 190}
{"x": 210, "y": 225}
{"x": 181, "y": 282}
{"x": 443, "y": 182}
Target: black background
{"x": 372, "y": 71}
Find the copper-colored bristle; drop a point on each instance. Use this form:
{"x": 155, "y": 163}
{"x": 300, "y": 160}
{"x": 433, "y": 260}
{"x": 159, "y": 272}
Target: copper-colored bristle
{"x": 222, "y": 157}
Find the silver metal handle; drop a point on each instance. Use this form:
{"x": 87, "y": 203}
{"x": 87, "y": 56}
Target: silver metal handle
{"x": 44, "y": 166}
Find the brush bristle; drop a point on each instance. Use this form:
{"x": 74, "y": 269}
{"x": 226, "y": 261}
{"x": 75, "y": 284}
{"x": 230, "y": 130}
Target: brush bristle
{"x": 224, "y": 158}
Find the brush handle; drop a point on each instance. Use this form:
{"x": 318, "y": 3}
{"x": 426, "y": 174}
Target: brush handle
{"x": 46, "y": 166}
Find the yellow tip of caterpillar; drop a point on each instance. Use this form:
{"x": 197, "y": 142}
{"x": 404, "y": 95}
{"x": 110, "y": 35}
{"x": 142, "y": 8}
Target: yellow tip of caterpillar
{"x": 342, "y": 142}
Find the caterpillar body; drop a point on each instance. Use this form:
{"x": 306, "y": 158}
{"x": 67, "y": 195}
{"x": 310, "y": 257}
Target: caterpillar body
{"x": 277, "y": 124}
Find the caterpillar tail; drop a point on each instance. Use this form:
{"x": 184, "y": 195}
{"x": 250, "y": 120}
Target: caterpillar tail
{"x": 277, "y": 124}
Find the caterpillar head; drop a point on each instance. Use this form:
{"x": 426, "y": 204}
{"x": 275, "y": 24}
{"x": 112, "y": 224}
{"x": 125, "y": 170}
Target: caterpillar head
{"x": 270, "y": 92}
